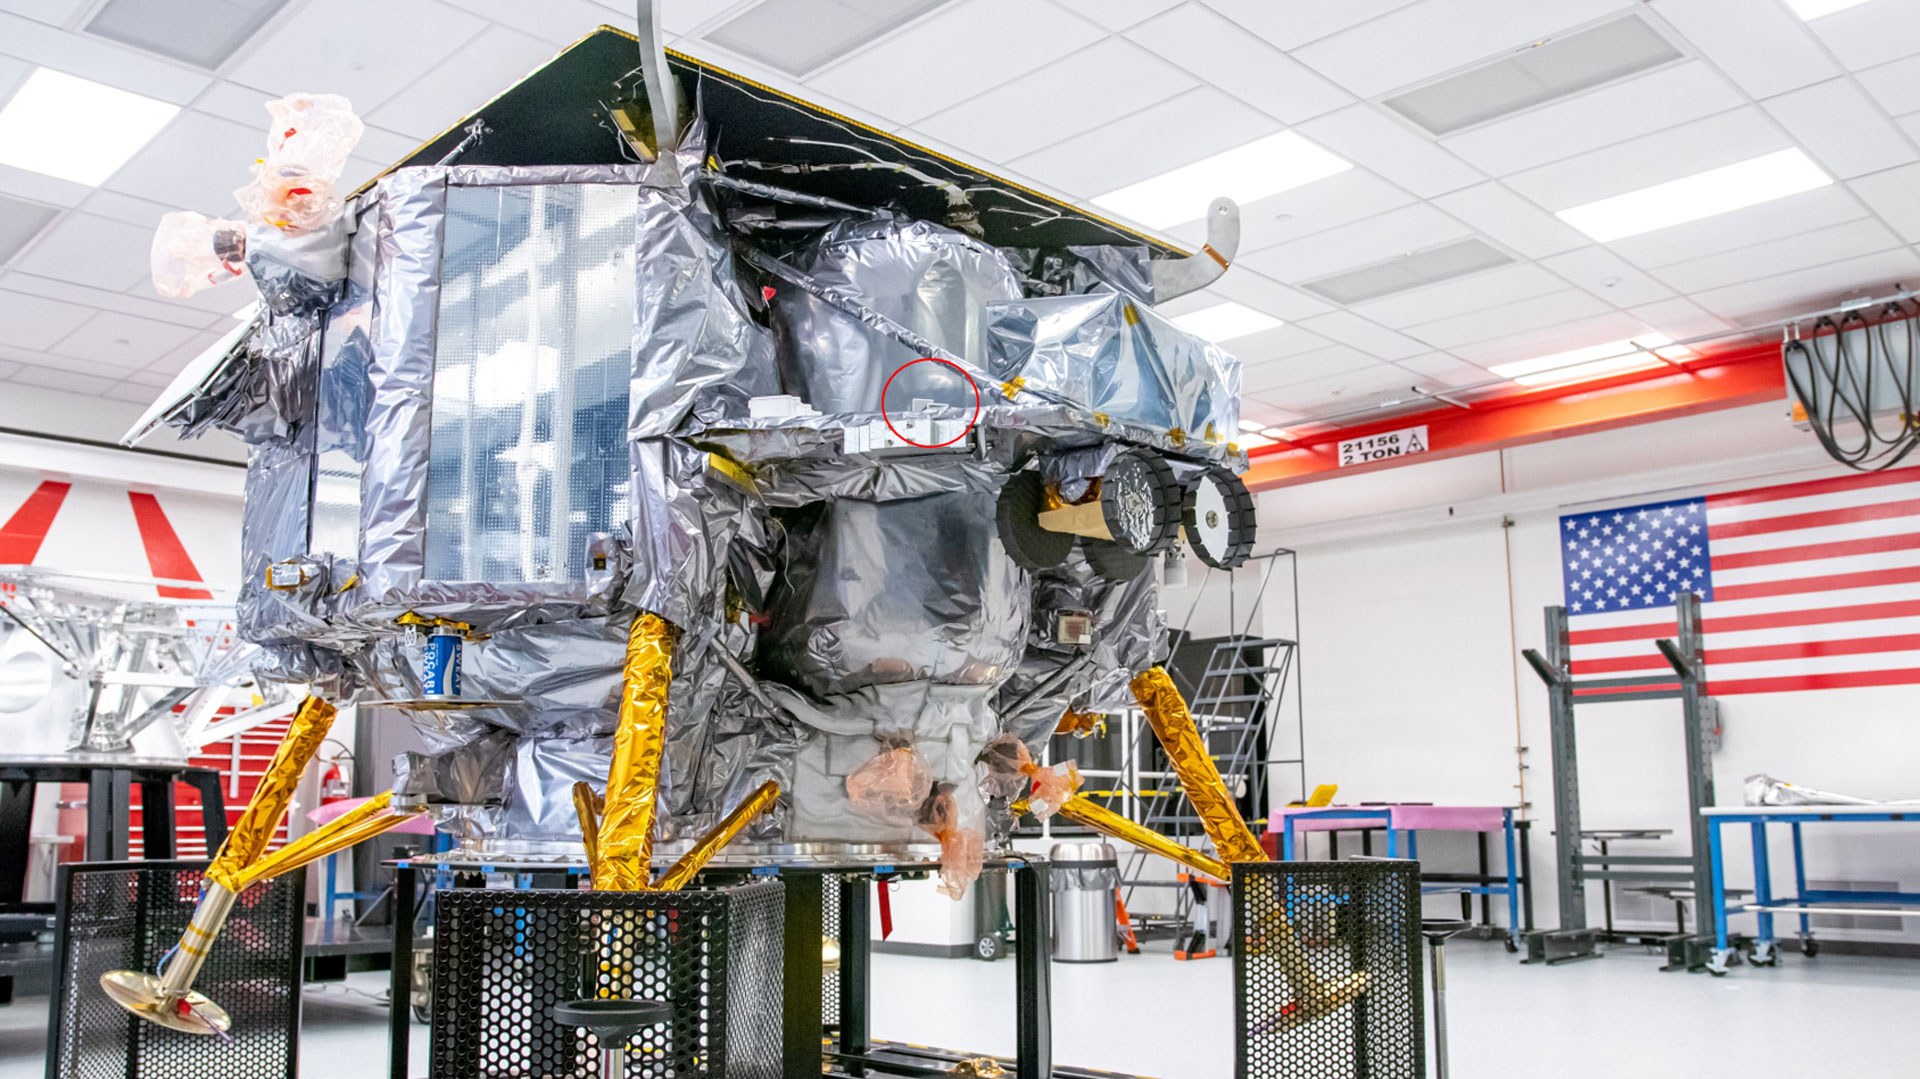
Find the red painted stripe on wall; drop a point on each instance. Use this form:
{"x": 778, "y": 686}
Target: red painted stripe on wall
{"x": 166, "y": 556}
{"x": 26, "y": 530}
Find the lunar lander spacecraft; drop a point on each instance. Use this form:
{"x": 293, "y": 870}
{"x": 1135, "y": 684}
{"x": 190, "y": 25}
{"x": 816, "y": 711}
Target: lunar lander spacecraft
{"x": 697, "y": 469}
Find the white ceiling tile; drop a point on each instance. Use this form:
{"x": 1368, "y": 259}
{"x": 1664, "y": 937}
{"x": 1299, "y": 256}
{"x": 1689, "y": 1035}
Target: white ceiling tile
{"x": 1579, "y": 333}
{"x": 1721, "y": 139}
{"x": 557, "y": 22}
{"x": 1364, "y": 136}
{"x": 1910, "y": 123}
{"x": 90, "y": 250}
{"x": 1094, "y": 86}
{"x": 1257, "y": 378}
{"x": 1795, "y": 214}
{"x": 52, "y": 12}
{"x": 122, "y": 341}
{"x": 1422, "y": 40}
{"x": 1195, "y": 124}
{"x": 195, "y": 163}
{"x": 1333, "y": 393}
{"x": 1871, "y": 34}
{"x": 13, "y": 72}
{"x": 61, "y": 378}
{"x": 150, "y": 380}
{"x": 978, "y": 48}
{"x": 243, "y": 105}
{"x": 1337, "y": 200}
{"x": 1446, "y": 370}
{"x": 678, "y": 16}
{"x": 1117, "y": 14}
{"x": 1286, "y": 340}
{"x": 1477, "y": 292}
{"x": 1679, "y": 319}
{"x": 1494, "y": 323}
{"x": 87, "y": 296}
{"x": 1506, "y": 217}
{"x": 1891, "y": 195}
{"x": 1836, "y": 243}
{"x": 1607, "y": 276}
{"x": 37, "y": 187}
{"x": 119, "y": 207}
{"x": 1372, "y": 338}
{"x": 1815, "y": 287}
{"x": 1383, "y": 236}
{"x": 1842, "y": 128}
{"x": 1290, "y": 24}
{"x": 1625, "y": 110}
{"x": 31, "y": 322}
{"x": 333, "y": 48}
{"x": 483, "y": 67}
{"x": 1760, "y": 44}
{"x": 1244, "y": 284}
{"x": 1239, "y": 63}
{"x": 379, "y": 144}
{"x": 8, "y": 367}
{"x": 1251, "y": 409}
{"x": 1896, "y": 85}
{"x": 130, "y": 393}
{"x": 100, "y": 60}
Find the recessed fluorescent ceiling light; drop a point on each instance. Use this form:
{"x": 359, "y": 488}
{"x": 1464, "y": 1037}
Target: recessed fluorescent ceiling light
{"x": 76, "y": 129}
{"x": 1553, "y": 69}
{"x": 1813, "y": 9}
{"x": 801, "y": 36}
{"x": 1263, "y": 167}
{"x": 1716, "y": 191}
{"x": 1250, "y": 441}
{"x": 216, "y": 30}
{"x": 1403, "y": 272}
{"x": 1596, "y": 361}
{"x": 1225, "y": 321}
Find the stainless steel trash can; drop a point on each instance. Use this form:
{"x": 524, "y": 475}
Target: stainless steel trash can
{"x": 1085, "y": 877}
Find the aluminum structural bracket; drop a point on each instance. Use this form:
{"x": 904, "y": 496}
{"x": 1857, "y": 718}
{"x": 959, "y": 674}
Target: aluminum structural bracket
{"x": 1177, "y": 277}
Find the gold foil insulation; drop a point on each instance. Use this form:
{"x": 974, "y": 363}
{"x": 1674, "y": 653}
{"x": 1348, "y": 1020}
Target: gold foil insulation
{"x": 362, "y": 822}
{"x": 1081, "y": 810}
{"x": 254, "y": 831}
{"x": 723, "y": 833}
{"x": 633, "y": 780}
{"x": 1167, "y": 711}
{"x": 588, "y": 806}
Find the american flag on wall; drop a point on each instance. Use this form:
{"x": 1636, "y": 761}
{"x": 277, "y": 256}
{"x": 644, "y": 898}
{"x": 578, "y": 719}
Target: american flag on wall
{"x": 1803, "y": 586}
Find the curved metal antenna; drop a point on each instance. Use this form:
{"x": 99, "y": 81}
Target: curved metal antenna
{"x": 1177, "y": 277}
{"x": 663, "y": 93}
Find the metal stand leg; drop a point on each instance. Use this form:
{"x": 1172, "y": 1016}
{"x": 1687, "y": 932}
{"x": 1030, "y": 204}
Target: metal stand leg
{"x": 109, "y": 790}
{"x": 1762, "y": 896}
{"x": 1800, "y": 890}
{"x": 213, "y": 808}
{"x": 1437, "y": 950}
{"x": 1513, "y": 884}
{"x": 156, "y": 818}
{"x": 16, "y": 839}
{"x": 803, "y": 1024}
{"x": 1718, "y": 964}
{"x": 856, "y": 966}
{"x": 1032, "y": 932}
{"x": 400, "y": 982}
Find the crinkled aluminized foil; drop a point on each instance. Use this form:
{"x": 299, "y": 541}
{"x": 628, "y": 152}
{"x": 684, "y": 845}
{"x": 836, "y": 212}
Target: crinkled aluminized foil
{"x": 540, "y": 805}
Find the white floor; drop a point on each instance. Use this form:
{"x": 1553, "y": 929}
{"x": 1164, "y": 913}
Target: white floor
{"x": 1836, "y": 1015}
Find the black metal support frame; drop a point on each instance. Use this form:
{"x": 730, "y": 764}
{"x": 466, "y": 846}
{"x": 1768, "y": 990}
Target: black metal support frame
{"x": 125, "y": 915}
{"x": 1574, "y": 939}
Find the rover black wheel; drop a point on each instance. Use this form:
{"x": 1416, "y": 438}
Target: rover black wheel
{"x": 1140, "y": 501}
{"x": 1112, "y": 561}
{"x": 1030, "y": 546}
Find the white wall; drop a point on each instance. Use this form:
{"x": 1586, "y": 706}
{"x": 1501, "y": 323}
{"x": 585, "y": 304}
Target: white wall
{"x": 1417, "y": 594}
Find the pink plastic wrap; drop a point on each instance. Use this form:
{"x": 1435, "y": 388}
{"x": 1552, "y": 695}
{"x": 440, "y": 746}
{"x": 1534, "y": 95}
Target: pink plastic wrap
{"x": 956, "y": 817}
{"x": 1008, "y": 765}
{"x": 1052, "y": 787}
{"x": 891, "y": 787}
{"x": 191, "y": 252}
{"x": 295, "y": 187}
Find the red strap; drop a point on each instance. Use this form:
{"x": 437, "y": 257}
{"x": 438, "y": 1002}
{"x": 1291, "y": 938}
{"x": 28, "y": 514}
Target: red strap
{"x": 21, "y": 536}
{"x": 886, "y": 909}
{"x": 166, "y": 555}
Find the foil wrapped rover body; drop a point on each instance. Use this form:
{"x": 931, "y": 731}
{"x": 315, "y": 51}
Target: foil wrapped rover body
{"x": 892, "y": 485}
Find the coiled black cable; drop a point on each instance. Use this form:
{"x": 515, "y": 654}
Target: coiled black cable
{"x": 1849, "y": 375}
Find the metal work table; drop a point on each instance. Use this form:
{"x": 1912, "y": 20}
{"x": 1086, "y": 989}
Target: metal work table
{"x": 1805, "y": 900}
{"x": 1410, "y": 820}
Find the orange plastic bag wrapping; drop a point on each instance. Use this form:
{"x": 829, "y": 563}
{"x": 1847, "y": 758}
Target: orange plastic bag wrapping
{"x": 963, "y": 847}
{"x": 1052, "y": 787}
{"x": 1008, "y": 765}
{"x": 192, "y": 251}
{"x": 891, "y": 787}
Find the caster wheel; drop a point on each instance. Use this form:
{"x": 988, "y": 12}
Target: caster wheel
{"x": 989, "y": 947}
{"x": 1140, "y": 502}
{"x": 1112, "y": 561}
{"x": 1031, "y": 547}
{"x": 1809, "y": 947}
{"x": 422, "y": 1013}
{"x": 1762, "y": 955}
{"x": 1218, "y": 518}
{"x": 1513, "y": 946}
{"x": 1717, "y": 966}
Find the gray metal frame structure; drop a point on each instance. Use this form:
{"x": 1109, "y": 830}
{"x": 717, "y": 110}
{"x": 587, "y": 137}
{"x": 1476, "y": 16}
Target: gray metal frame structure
{"x": 1574, "y": 939}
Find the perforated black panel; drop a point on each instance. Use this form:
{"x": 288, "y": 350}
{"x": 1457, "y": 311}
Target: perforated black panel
{"x": 502, "y": 960}
{"x": 124, "y": 916}
{"x": 1327, "y": 970}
